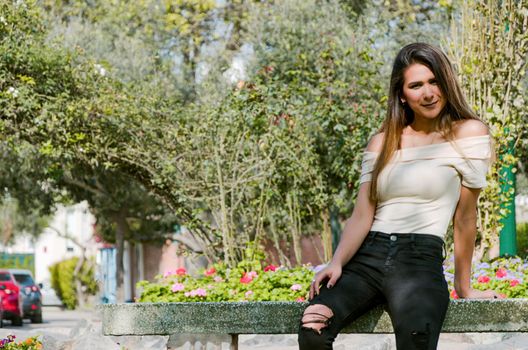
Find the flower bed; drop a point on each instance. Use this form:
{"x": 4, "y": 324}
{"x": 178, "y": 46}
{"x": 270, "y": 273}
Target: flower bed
{"x": 505, "y": 275}
{"x": 252, "y": 281}
{"x": 9, "y": 343}
{"x": 271, "y": 283}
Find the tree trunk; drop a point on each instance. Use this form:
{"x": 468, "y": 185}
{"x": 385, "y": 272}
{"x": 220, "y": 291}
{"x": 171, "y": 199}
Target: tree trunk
{"x": 327, "y": 235}
{"x": 283, "y": 259}
{"x": 78, "y": 286}
{"x": 295, "y": 220}
{"x": 228, "y": 239}
{"x": 7, "y": 231}
{"x": 122, "y": 231}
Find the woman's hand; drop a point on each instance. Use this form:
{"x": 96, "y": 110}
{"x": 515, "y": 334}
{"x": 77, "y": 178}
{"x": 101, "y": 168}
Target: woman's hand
{"x": 481, "y": 294}
{"x": 331, "y": 273}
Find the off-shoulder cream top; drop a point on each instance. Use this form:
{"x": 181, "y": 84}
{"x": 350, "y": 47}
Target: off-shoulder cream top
{"x": 418, "y": 190}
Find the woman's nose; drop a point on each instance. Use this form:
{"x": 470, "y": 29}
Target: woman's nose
{"x": 428, "y": 91}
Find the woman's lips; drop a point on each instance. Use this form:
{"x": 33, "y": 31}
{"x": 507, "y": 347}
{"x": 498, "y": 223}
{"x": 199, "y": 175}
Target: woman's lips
{"x": 430, "y": 104}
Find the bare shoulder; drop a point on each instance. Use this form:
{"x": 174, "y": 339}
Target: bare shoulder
{"x": 376, "y": 142}
{"x": 469, "y": 128}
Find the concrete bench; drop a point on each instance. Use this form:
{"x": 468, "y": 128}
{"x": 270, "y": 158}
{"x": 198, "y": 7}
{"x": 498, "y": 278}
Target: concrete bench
{"x": 219, "y": 324}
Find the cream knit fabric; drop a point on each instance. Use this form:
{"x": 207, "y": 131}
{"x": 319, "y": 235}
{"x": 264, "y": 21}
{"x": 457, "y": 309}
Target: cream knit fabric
{"x": 419, "y": 189}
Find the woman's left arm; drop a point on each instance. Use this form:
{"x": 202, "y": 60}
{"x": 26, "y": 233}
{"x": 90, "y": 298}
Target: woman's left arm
{"x": 465, "y": 232}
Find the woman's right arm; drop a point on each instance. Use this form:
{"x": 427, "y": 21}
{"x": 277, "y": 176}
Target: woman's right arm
{"x": 356, "y": 227}
{"x": 354, "y": 233}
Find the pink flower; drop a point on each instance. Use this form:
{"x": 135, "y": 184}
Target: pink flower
{"x": 483, "y": 279}
{"x": 168, "y": 273}
{"x": 248, "y": 294}
{"x": 514, "y": 282}
{"x": 501, "y": 273}
{"x": 454, "y": 294}
{"x": 246, "y": 278}
{"x": 177, "y": 287}
{"x": 181, "y": 271}
{"x": 296, "y": 287}
{"x": 270, "y": 268}
{"x": 201, "y": 292}
{"x": 218, "y": 279}
{"x": 210, "y": 272}
{"x": 300, "y": 299}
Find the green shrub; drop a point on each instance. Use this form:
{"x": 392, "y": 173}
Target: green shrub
{"x": 63, "y": 280}
{"x": 18, "y": 261}
{"x": 522, "y": 240}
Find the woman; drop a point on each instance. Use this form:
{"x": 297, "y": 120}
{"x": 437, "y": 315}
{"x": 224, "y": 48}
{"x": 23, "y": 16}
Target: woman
{"x": 425, "y": 168}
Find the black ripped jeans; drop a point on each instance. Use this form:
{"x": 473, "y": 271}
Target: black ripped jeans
{"x": 403, "y": 271}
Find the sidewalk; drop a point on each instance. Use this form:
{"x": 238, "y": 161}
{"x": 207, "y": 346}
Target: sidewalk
{"x": 453, "y": 341}
{"x": 81, "y": 330}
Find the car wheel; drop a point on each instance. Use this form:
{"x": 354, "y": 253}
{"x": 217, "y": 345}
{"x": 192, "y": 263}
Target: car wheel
{"x": 17, "y": 321}
{"x": 36, "y": 319}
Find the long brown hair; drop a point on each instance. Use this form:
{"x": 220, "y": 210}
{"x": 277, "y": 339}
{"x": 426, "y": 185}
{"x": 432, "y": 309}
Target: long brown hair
{"x": 399, "y": 115}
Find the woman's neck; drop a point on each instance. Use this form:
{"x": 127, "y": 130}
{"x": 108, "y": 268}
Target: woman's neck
{"x": 420, "y": 128}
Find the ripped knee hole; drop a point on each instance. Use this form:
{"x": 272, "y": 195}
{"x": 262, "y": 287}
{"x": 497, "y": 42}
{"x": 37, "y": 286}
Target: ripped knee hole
{"x": 316, "y": 317}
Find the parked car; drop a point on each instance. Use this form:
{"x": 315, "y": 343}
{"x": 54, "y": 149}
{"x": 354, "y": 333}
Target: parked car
{"x": 1, "y": 313}
{"x": 31, "y": 296}
{"x": 10, "y": 298}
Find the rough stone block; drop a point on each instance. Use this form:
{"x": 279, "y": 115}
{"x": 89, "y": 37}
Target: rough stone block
{"x": 499, "y": 315}
{"x": 202, "y": 342}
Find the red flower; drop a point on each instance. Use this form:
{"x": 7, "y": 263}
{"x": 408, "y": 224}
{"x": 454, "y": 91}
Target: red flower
{"x": 300, "y": 299}
{"x": 270, "y": 268}
{"x": 501, "y": 272}
{"x": 246, "y": 278}
{"x": 181, "y": 271}
{"x": 513, "y": 283}
{"x": 454, "y": 294}
{"x": 483, "y": 279}
{"x": 210, "y": 272}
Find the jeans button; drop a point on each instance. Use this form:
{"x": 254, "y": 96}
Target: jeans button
{"x": 393, "y": 238}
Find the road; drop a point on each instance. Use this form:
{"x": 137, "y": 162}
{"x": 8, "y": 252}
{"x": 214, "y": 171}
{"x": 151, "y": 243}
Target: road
{"x": 59, "y": 327}
{"x": 53, "y": 318}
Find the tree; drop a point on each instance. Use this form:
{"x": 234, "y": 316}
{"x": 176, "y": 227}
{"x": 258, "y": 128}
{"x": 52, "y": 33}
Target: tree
{"x": 51, "y": 132}
{"x": 124, "y": 209}
{"x": 267, "y": 158}
{"x": 15, "y": 222}
{"x": 496, "y": 92}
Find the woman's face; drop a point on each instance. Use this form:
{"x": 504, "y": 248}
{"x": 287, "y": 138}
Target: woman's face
{"x": 421, "y": 92}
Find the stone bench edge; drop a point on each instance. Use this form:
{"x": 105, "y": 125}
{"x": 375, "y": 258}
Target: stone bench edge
{"x": 503, "y": 315}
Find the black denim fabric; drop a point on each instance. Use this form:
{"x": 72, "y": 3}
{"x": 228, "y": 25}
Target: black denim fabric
{"x": 403, "y": 271}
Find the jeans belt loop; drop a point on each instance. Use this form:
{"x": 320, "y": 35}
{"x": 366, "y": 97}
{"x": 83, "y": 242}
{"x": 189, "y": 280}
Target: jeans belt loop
{"x": 374, "y": 233}
{"x": 413, "y": 240}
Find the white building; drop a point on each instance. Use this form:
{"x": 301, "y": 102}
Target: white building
{"x": 52, "y": 245}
